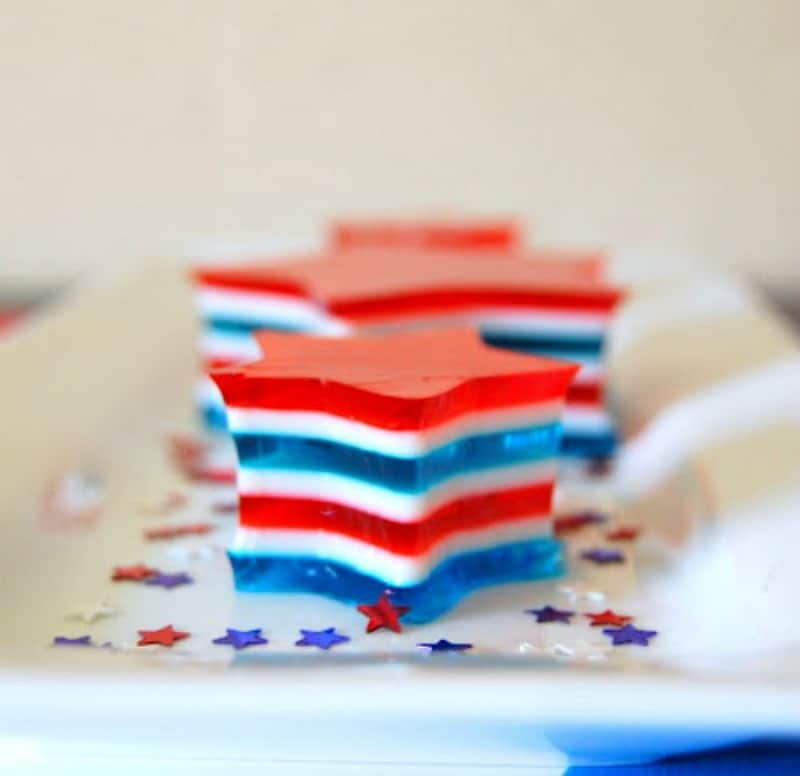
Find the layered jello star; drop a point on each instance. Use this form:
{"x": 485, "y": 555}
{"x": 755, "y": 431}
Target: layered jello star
{"x": 537, "y": 305}
{"x": 422, "y": 463}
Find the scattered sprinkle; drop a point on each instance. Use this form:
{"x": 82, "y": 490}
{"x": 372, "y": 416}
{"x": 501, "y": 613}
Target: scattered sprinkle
{"x": 383, "y": 614}
{"x": 324, "y": 639}
{"x": 170, "y": 580}
{"x": 136, "y": 573}
{"x": 551, "y": 614}
{"x": 570, "y": 523}
{"x": 443, "y": 645}
{"x": 80, "y": 641}
{"x": 603, "y": 556}
{"x": 89, "y": 613}
{"x": 239, "y": 639}
{"x": 165, "y": 636}
{"x": 627, "y": 634}
{"x": 608, "y": 617}
{"x": 624, "y": 533}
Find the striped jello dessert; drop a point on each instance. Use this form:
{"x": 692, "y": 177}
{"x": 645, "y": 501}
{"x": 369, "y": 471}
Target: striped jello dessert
{"x": 421, "y": 462}
{"x": 547, "y": 304}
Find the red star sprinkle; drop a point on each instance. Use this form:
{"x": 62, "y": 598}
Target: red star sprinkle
{"x": 624, "y": 533}
{"x": 174, "y": 531}
{"x": 383, "y": 614}
{"x": 165, "y": 636}
{"x": 135, "y": 573}
{"x": 608, "y": 618}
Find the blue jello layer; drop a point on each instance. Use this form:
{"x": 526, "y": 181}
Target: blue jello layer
{"x": 548, "y": 344}
{"x": 470, "y": 454}
{"x": 447, "y": 584}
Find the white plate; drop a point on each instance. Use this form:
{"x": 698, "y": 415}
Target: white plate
{"x": 95, "y": 385}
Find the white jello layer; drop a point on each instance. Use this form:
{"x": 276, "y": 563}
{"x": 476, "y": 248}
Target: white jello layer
{"x": 386, "y": 502}
{"x": 377, "y": 562}
{"x": 501, "y": 320}
{"x": 260, "y": 307}
{"x": 400, "y": 444}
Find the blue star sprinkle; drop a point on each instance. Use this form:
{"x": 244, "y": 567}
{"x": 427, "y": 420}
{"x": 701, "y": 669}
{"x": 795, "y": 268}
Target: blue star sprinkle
{"x": 443, "y": 645}
{"x": 551, "y": 614}
{"x": 627, "y": 634}
{"x": 324, "y": 639}
{"x": 239, "y": 639}
{"x": 80, "y": 641}
{"x": 603, "y": 556}
{"x": 170, "y": 580}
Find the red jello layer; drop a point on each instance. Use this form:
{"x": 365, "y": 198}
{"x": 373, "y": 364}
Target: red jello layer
{"x": 435, "y": 236}
{"x": 402, "y": 381}
{"x": 411, "y": 539}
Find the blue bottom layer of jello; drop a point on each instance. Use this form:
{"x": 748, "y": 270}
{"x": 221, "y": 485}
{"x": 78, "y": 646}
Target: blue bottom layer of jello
{"x": 447, "y": 584}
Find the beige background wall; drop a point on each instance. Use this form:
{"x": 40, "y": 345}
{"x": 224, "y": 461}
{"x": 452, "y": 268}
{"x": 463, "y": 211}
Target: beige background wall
{"x": 163, "y": 127}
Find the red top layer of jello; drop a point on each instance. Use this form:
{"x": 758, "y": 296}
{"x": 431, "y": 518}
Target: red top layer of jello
{"x": 363, "y": 287}
{"x": 401, "y": 381}
{"x": 474, "y": 237}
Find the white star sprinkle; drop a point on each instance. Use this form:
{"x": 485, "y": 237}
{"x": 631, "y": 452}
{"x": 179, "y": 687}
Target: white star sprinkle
{"x": 185, "y": 552}
{"x": 91, "y": 612}
{"x": 580, "y": 591}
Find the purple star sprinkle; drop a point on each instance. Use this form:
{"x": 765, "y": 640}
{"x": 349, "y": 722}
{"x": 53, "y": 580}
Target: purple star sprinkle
{"x": 324, "y": 639}
{"x": 81, "y": 641}
{"x": 239, "y": 639}
{"x": 170, "y": 580}
{"x": 603, "y": 556}
{"x": 551, "y": 614}
{"x": 627, "y": 634}
{"x": 443, "y": 645}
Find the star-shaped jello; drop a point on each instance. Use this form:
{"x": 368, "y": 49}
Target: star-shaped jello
{"x": 420, "y": 462}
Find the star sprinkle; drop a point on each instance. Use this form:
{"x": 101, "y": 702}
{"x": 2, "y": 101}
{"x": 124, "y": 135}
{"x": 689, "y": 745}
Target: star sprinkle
{"x": 627, "y": 634}
{"x": 383, "y": 614}
{"x": 175, "y": 531}
{"x": 183, "y": 553}
{"x": 170, "y": 580}
{"x": 581, "y": 651}
{"x": 551, "y": 614}
{"x": 239, "y": 639}
{"x": 577, "y": 591}
{"x": 165, "y": 636}
{"x": 624, "y": 533}
{"x": 570, "y": 523}
{"x": 136, "y": 573}
{"x": 603, "y": 556}
{"x": 89, "y": 613}
{"x": 172, "y": 501}
{"x": 225, "y": 508}
{"x": 80, "y": 641}
{"x": 443, "y": 645}
{"x": 608, "y": 618}
{"x": 324, "y": 639}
